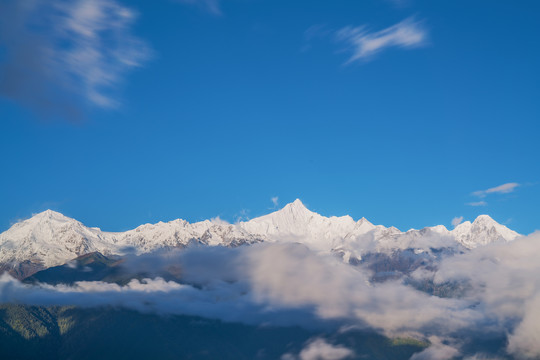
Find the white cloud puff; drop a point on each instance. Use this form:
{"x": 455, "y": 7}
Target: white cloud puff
{"x": 61, "y": 55}
{"x": 319, "y": 349}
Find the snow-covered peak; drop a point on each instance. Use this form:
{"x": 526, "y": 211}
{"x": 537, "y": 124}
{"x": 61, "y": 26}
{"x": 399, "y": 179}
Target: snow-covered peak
{"x": 364, "y": 222}
{"x": 46, "y": 221}
{"x": 296, "y": 210}
{"x": 440, "y": 229}
{"x": 296, "y": 204}
{"x": 463, "y": 227}
{"x": 48, "y": 216}
{"x": 295, "y": 222}
{"x": 482, "y": 231}
{"x": 362, "y": 227}
{"x": 50, "y": 238}
{"x": 289, "y": 217}
{"x": 484, "y": 220}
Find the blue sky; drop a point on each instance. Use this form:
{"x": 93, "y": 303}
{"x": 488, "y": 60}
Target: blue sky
{"x": 119, "y": 113}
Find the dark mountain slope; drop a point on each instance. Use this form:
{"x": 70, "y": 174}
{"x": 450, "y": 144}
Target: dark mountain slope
{"x": 28, "y": 332}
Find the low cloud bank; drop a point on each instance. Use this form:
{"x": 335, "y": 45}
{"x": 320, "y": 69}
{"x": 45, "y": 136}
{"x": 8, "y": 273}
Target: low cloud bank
{"x": 504, "y": 281}
{"x": 270, "y": 283}
{"x": 288, "y": 284}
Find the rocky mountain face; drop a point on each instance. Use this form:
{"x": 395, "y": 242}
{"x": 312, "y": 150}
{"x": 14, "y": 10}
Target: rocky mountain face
{"x": 50, "y": 239}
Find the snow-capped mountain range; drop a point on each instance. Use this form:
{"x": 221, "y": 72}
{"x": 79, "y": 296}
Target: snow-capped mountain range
{"x": 50, "y": 238}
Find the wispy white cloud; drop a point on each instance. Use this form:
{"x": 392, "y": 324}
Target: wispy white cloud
{"x": 456, "y": 221}
{"x": 501, "y": 189}
{"x": 242, "y": 215}
{"x": 477, "y": 203}
{"x": 61, "y": 55}
{"x": 364, "y": 44}
{"x": 275, "y": 201}
{"x": 218, "y": 220}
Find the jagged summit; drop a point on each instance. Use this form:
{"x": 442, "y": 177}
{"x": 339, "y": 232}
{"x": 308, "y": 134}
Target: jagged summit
{"x": 297, "y": 204}
{"x": 481, "y": 220}
{"x": 299, "y": 212}
{"x": 482, "y": 231}
{"x": 294, "y": 218}
{"x": 295, "y": 208}
{"x": 484, "y": 219}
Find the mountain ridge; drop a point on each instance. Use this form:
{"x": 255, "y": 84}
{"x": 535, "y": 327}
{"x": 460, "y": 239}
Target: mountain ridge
{"x": 50, "y": 238}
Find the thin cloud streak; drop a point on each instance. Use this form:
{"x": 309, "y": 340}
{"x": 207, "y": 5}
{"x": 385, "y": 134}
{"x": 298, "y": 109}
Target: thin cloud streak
{"x": 364, "y": 44}
{"x": 501, "y": 189}
{"x": 477, "y": 203}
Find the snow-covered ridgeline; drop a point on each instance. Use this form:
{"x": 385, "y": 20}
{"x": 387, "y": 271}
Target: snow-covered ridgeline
{"x": 50, "y": 238}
